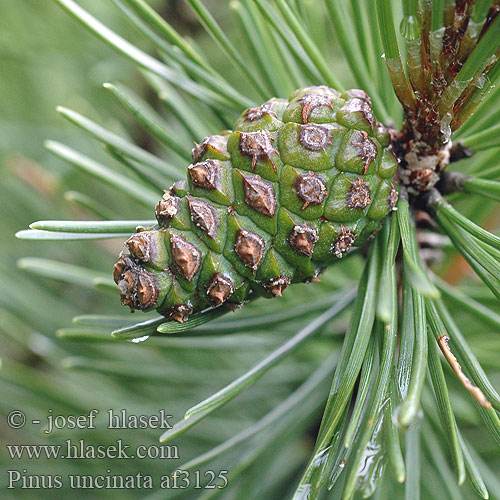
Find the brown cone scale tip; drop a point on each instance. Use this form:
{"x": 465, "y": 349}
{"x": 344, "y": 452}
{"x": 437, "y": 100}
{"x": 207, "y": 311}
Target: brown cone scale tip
{"x": 361, "y": 106}
{"x": 204, "y": 216}
{"x": 138, "y": 288}
{"x": 205, "y": 174}
{"x": 258, "y": 146}
{"x": 166, "y": 208}
{"x": 311, "y": 101}
{"x": 276, "y": 286}
{"x": 259, "y": 194}
{"x": 258, "y": 112}
{"x": 147, "y": 290}
{"x": 303, "y": 238}
{"x": 314, "y": 137}
{"x": 366, "y": 148}
{"x": 219, "y": 289}
{"x": 181, "y": 312}
{"x": 250, "y": 248}
{"x": 119, "y": 268}
{"x": 311, "y": 189}
{"x": 343, "y": 243}
{"x": 359, "y": 195}
{"x": 141, "y": 246}
{"x": 185, "y": 256}
{"x": 215, "y": 142}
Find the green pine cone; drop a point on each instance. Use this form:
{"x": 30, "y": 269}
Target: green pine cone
{"x": 289, "y": 191}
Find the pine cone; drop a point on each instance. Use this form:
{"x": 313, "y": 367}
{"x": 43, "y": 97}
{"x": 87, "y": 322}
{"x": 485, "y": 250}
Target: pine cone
{"x": 289, "y": 191}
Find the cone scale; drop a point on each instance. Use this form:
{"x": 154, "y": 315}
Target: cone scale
{"x": 289, "y": 191}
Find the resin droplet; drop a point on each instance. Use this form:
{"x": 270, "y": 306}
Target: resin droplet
{"x": 258, "y": 146}
{"x": 276, "y": 286}
{"x": 204, "y": 216}
{"x": 205, "y": 174}
{"x": 259, "y": 194}
{"x": 393, "y": 197}
{"x": 343, "y": 243}
{"x": 311, "y": 101}
{"x": 250, "y": 248}
{"x": 303, "y": 238}
{"x": 185, "y": 256}
{"x": 219, "y": 289}
{"x": 167, "y": 208}
{"x": 359, "y": 195}
{"x": 181, "y": 312}
{"x": 314, "y": 137}
{"x": 311, "y": 189}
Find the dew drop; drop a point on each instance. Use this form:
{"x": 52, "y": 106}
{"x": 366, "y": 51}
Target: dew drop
{"x": 480, "y": 82}
{"x": 303, "y": 493}
{"x": 139, "y": 339}
{"x": 445, "y": 127}
{"x": 40, "y": 344}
